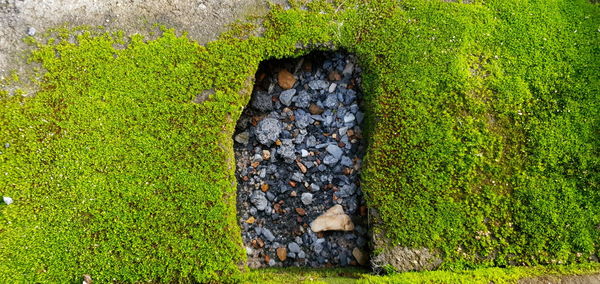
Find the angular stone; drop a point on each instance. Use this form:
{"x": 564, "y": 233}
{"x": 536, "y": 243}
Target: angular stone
{"x": 333, "y": 219}
{"x": 360, "y": 256}
{"x": 242, "y": 138}
{"x": 335, "y": 151}
{"x": 285, "y": 79}
{"x": 268, "y": 130}
{"x": 259, "y": 200}
{"x": 262, "y": 101}
{"x": 286, "y": 96}
{"x": 318, "y": 84}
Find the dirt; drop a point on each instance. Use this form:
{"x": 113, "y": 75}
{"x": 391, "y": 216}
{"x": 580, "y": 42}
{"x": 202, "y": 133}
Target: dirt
{"x": 203, "y": 20}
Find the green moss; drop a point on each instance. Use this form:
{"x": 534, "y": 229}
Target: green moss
{"x": 482, "y": 126}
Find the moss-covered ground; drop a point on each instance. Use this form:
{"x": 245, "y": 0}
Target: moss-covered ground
{"x": 483, "y": 124}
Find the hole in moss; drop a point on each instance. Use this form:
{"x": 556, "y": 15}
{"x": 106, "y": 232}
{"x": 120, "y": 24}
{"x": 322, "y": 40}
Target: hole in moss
{"x": 299, "y": 147}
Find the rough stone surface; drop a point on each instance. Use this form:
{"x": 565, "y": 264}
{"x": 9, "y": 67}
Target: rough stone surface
{"x": 333, "y": 219}
{"x": 203, "y": 20}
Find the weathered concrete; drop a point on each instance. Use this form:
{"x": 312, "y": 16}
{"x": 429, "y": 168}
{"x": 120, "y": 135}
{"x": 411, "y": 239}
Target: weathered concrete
{"x": 204, "y": 20}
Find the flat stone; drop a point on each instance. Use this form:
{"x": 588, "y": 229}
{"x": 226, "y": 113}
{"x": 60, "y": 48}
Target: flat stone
{"x": 332, "y": 87}
{"x": 349, "y": 117}
{"x": 333, "y": 219}
{"x": 360, "y": 256}
{"x": 268, "y": 235}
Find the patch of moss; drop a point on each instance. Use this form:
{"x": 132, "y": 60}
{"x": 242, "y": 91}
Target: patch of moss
{"x": 482, "y": 120}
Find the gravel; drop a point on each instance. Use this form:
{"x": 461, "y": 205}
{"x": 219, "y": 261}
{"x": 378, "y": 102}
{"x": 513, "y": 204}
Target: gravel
{"x": 298, "y": 153}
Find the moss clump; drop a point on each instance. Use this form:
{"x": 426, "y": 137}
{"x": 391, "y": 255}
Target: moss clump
{"x": 483, "y": 123}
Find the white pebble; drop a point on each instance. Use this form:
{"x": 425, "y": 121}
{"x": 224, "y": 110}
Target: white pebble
{"x": 7, "y": 200}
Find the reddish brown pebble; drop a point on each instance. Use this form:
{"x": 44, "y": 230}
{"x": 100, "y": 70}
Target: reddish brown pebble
{"x": 255, "y": 164}
{"x": 300, "y": 211}
{"x": 341, "y": 144}
{"x": 285, "y": 79}
{"x": 245, "y": 178}
{"x": 267, "y": 258}
{"x": 315, "y": 109}
{"x": 282, "y": 253}
{"x": 292, "y": 183}
{"x": 302, "y": 167}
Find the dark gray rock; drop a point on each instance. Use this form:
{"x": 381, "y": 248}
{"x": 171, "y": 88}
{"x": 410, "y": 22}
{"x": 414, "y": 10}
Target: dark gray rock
{"x": 262, "y": 101}
{"x": 268, "y": 130}
{"x": 259, "y": 200}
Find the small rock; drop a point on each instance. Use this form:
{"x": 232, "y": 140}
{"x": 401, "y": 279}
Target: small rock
{"x": 266, "y": 154}
{"x": 304, "y": 153}
{"x": 282, "y": 253}
{"x": 264, "y": 187}
{"x": 334, "y": 76}
{"x": 285, "y": 79}
{"x": 268, "y": 235}
{"x": 333, "y": 219}
{"x": 286, "y": 96}
{"x": 318, "y": 85}
{"x": 307, "y": 198}
{"x": 262, "y": 101}
{"x": 7, "y": 200}
{"x": 335, "y": 151}
{"x": 349, "y": 117}
{"x": 332, "y": 87}
{"x": 31, "y": 32}
{"x": 348, "y": 69}
{"x": 360, "y": 256}
{"x": 268, "y": 130}
{"x": 259, "y": 200}
{"x": 242, "y": 138}
{"x": 302, "y": 167}
{"x": 250, "y": 220}
{"x": 315, "y": 109}
{"x": 300, "y": 211}
{"x": 294, "y": 247}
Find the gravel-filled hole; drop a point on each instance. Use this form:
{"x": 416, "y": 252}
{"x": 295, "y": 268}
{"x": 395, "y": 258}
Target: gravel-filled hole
{"x": 299, "y": 148}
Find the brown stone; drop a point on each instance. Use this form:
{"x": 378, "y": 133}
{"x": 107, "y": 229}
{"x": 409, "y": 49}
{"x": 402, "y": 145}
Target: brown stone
{"x": 267, "y": 258}
{"x": 350, "y": 132}
{"x": 334, "y": 219}
{"x": 255, "y": 164}
{"x": 278, "y": 142}
{"x": 315, "y": 109}
{"x": 300, "y": 211}
{"x": 285, "y": 79}
{"x": 341, "y": 144}
{"x": 362, "y": 210}
{"x": 292, "y": 183}
{"x": 245, "y": 178}
{"x": 302, "y": 167}
{"x": 282, "y": 253}
{"x": 251, "y": 220}
{"x": 360, "y": 256}
{"x": 334, "y": 76}
{"x": 264, "y": 187}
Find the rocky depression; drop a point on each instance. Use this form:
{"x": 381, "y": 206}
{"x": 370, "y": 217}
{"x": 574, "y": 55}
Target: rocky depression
{"x": 298, "y": 148}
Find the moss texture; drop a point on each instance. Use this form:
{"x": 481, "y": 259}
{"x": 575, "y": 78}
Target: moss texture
{"x": 483, "y": 138}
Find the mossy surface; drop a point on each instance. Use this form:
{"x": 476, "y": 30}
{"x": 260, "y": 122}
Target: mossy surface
{"x": 483, "y": 124}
